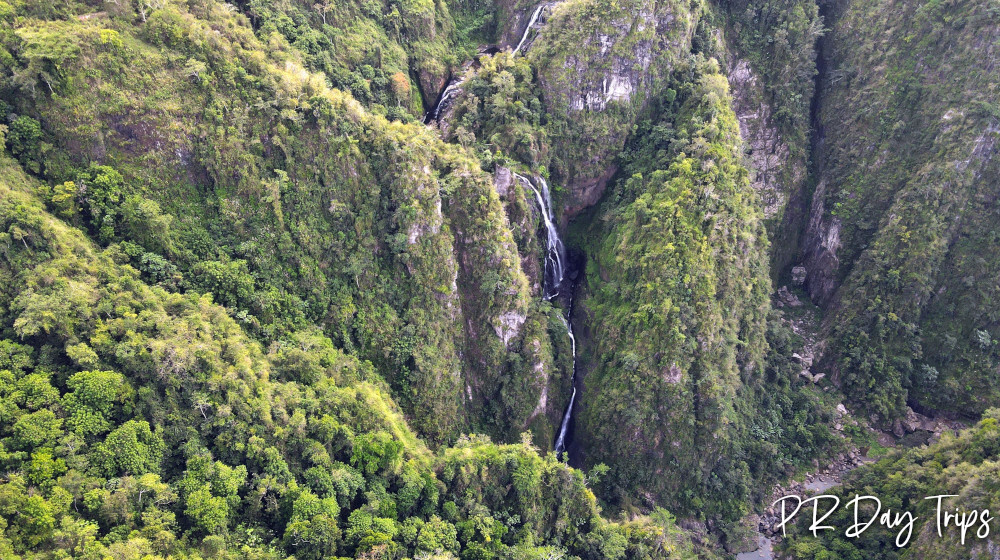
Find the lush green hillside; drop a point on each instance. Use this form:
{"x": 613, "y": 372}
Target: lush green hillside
{"x": 674, "y": 308}
{"x": 394, "y": 57}
{"x": 230, "y": 169}
{"x": 252, "y": 307}
{"x": 962, "y": 465}
{"x": 676, "y": 305}
{"x": 904, "y": 212}
{"x": 139, "y": 422}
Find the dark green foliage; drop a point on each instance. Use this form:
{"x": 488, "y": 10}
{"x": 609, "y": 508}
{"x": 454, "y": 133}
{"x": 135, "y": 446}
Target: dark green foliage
{"x": 24, "y": 138}
{"x": 235, "y": 251}
{"x": 779, "y": 38}
{"x": 213, "y": 162}
{"x": 963, "y": 465}
{"x": 677, "y": 289}
{"x": 373, "y": 48}
{"x": 147, "y": 420}
{"x": 501, "y": 110}
{"x": 678, "y": 275}
{"x": 585, "y": 47}
{"x": 908, "y": 169}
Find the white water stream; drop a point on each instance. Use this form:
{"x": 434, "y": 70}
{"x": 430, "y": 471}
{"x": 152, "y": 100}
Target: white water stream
{"x": 447, "y": 94}
{"x": 554, "y": 274}
{"x": 456, "y": 83}
{"x": 555, "y": 253}
{"x": 561, "y": 438}
{"x": 531, "y": 24}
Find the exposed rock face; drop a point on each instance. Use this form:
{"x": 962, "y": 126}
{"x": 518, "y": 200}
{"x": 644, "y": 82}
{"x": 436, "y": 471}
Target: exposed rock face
{"x": 799, "y": 274}
{"x": 432, "y": 80}
{"x": 900, "y": 240}
{"x": 625, "y": 75}
{"x": 508, "y": 326}
{"x": 585, "y": 192}
{"x": 773, "y": 175}
{"x": 503, "y": 180}
{"x": 516, "y": 16}
{"x": 598, "y": 65}
{"x": 778, "y": 172}
{"x": 820, "y": 251}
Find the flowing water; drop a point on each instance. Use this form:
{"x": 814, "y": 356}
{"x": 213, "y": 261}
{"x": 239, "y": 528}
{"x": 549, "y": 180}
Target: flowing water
{"x": 564, "y": 426}
{"x": 554, "y": 277}
{"x": 555, "y": 253}
{"x": 446, "y": 95}
{"x": 531, "y": 24}
{"x": 455, "y": 84}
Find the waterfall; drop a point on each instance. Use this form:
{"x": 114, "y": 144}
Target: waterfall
{"x": 556, "y": 249}
{"x": 555, "y": 254}
{"x": 561, "y": 438}
{"x": 531, "y": 23}
{"x": 555, "y": 271}
{"x": 453, "y": 86}
{"x": 447, "y": 94}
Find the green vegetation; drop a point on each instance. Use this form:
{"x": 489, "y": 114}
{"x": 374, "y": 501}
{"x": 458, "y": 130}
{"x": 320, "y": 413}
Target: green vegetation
{"x": 771, "y": 51}
{"x": 779, "y": 39}
{"x": 588, "y": 47}
{"x": 205, "y": 302}
{"x": 140, "y": 422}
{"x": 220, "y": 165}
{"x": 908, "y": 170}
{"x": 500, "y": 112}
{"x": 677, "y": 301}
{"x": 250, "y": 307}
{"x": 963, "y": 465}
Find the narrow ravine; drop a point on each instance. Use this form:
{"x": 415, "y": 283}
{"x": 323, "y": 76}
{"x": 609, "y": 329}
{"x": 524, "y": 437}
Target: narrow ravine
{"x": 560, "y": 446}
{"x": 553, "y": 285}
{"x": 554, "y": 275}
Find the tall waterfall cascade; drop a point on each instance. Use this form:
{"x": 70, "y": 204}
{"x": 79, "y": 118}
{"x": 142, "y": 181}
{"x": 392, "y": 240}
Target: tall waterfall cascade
{"x": 555, "y": 253}
{"x": 554, "y": 275}
{"x": 560, "y": 447}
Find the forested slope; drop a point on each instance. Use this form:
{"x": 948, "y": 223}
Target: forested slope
{"x": 903, "y": 219}
{"x": 137, "y": 421}
{"x": 227, "y": 167}
{"x": 251, "y": 305}
{"x": 961, "y": 466}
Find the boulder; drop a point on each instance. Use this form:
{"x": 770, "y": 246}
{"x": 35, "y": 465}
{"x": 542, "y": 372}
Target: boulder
{"x": 799, "y": 274}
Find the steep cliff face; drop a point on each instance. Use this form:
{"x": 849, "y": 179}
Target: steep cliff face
{"x": 771, "y": 59}
{"x": 664, "y": 294}
{"x": 774, "y": 175}
{"x": 895, "y": 243}
{"x": 394, "y": 57}
{"x": 308, "y": 208}
{"x": 778, "y": 174}
{"x": 598, "y": 62}
{"x": 678, "y": 269}
{"x": 179, "y": 428}
{"x": 552, "y": 358}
